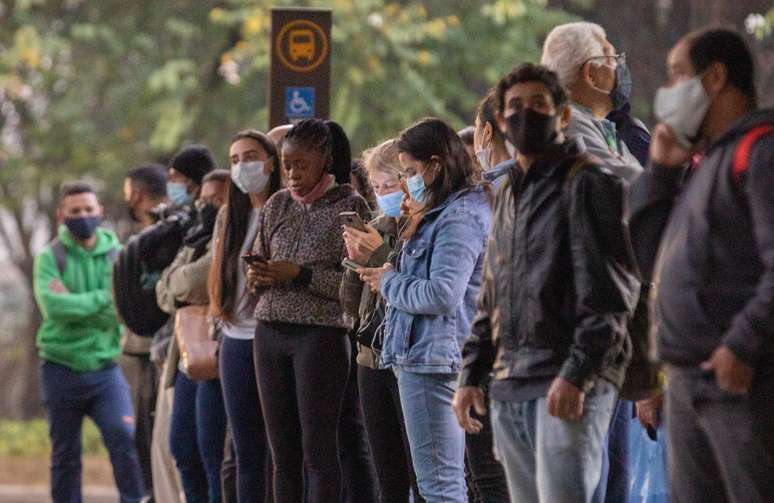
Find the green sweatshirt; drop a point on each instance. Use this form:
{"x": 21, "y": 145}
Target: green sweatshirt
{"x": 80, "y": 328}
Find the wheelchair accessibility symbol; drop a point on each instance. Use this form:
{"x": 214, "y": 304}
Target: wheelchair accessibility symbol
{"x": 299, "y": 102}
{"x": 301, "y": 46}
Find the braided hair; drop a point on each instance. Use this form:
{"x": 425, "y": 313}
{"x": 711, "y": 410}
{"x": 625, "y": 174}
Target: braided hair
{"x": 329, "y": 138}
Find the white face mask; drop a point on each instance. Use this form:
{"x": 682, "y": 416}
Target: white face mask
{"x": 250, "y": 177}
{"x": 683, "y": 108}
{"x": 483, "y": 156}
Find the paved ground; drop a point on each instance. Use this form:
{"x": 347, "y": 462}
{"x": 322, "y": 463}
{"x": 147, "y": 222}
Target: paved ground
{"x": 26, "y": 494}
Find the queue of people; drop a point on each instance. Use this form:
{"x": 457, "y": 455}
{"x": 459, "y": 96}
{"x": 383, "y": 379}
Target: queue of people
{"x": 450, "y": 317}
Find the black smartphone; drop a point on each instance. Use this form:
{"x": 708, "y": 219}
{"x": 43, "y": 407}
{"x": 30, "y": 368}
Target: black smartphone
{"x": 352, "y": 219}
{"x": 254, "y": 259}
{"x": 351, "y": 265}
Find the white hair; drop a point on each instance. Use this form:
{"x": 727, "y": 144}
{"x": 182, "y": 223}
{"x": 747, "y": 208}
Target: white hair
{"x": 570, "y": 45}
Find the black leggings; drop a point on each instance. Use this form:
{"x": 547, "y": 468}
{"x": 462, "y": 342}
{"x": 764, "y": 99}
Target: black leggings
{"x": 302, "y": 374}
{"x": 387, "y": 435}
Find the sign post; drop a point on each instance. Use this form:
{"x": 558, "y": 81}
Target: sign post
{"x": 300, "y": 74}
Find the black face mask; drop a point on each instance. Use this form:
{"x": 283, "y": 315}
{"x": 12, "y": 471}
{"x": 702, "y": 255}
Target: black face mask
{"x": 207, "y": 215}
{"x": 531, "y": 132}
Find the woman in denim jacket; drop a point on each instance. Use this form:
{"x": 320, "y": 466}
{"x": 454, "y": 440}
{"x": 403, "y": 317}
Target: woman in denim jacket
{"x": 431, "y": 296}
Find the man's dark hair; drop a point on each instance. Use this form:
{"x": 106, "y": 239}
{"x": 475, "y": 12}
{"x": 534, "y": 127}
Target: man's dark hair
{"x": 152, "y": 178}
{"x": 75, "y": 188}
{"x": 724, "y": 46}
{"x": 217, "y": 175}
{"x": 529, "y": 72}
{"x": 466, "y": 135}
{"x": 487, "y": 113}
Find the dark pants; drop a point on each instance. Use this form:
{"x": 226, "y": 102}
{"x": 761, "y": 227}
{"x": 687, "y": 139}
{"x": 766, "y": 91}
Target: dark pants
{"x": 358, "y": 477}
{"x": 228, "y": 471}
{"x": 720, "y": 446}
{"x": 487, "y": 477}
{"x": 140, "y": 373}
{"x": 103, "y": 396}
{"x": 302, "y": 376}
{"x": 243, "y": 409}
{"x": 387, "y": 435}
{"x": 197, "y": 435}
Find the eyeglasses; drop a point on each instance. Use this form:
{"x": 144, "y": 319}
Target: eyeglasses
{"x": 617, "y": 59}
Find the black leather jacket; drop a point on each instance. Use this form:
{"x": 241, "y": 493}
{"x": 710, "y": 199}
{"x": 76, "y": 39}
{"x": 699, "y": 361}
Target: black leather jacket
{"x": 560, "y": 281}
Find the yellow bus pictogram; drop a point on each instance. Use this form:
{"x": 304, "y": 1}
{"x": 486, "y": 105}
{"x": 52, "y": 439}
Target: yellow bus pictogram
{"x": 301, "y": 45}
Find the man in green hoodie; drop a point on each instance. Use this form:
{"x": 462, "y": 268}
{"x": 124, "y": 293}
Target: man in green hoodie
{"x": 79, "y": 342}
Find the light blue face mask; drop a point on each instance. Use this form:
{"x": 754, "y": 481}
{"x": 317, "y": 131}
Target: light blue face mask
{"x": 390, "y": 203}
{"x": 178, "y": 194}
{"x": 416, "y": 186}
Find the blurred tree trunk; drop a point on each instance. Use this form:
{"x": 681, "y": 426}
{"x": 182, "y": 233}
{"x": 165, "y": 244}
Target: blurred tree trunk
{"x": 23, "y": 392}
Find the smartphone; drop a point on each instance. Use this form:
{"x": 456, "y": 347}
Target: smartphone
{"x": 349, "y": 264}
{"x": 352, "y": 219}
{"x": 254, "y": 259}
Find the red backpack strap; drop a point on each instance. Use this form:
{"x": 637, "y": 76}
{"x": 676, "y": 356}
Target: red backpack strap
{"x": 744, "y": 149}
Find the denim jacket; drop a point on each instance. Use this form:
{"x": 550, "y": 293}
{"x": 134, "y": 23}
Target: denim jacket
{"x": 431, "y": 295}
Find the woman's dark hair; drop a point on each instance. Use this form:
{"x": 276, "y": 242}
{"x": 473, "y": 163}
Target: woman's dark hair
{"x": 727, "y": 47}
{"x": 487, "y": 114}
{"x": 359, "y": 181}
{"x": 330, "y": 139}
{"x": 466, "y": 134}
{"x": 222, "y": 281}
{"x": 430, "y": 138}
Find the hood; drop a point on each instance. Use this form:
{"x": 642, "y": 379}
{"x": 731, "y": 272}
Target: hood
{"x": 743, "y": 125}
{"x": 106, "y": 241}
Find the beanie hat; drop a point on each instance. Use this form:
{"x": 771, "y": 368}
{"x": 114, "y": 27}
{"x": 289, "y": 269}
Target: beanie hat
{"x": 193, "y": 161}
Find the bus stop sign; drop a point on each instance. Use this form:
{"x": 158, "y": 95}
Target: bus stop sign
{"x": 300, "y": 71}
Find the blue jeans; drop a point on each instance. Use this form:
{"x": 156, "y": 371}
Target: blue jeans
{"x": 436, "y": 440}
{"x": 243, "y": 409}
{"x": 548, "y": 459}
{"x": 197, "y": 436}
{"x": 104, "y": 396}
{"x": 614, "y": 482}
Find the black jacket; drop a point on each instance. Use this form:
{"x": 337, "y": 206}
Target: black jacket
{"x": 713, "y": 280}
{"x": 560, "y": 281}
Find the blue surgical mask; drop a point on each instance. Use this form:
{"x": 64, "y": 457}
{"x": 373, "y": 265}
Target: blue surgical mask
{"x": 390, "y": 203}
{"x": 623, "y": 86}
{"x": 416, "y": 186}
{"x": 178, "y": 194}
{"x": 82, "y": 228}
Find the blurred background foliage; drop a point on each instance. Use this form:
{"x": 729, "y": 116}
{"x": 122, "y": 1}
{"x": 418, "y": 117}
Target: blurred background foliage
{"x": 92, "y": 88}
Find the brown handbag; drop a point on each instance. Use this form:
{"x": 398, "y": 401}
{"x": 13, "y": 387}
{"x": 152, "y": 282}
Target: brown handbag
{"x": 198, "y": 350}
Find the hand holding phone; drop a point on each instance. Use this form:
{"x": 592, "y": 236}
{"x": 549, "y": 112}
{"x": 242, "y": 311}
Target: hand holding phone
{"x": 351, "y": 265}
{"x": 353, "y": 220}
{"x": 253, "y": 259}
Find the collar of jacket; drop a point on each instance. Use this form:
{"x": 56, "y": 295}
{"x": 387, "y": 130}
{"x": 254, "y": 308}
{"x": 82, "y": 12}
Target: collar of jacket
{"x": 743, "y": 125}
{"x": 548, "y": 163}
{"x": 453, "y": 197}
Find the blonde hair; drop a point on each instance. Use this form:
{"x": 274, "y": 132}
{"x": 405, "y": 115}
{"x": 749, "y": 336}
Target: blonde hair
{"x": 383, "y": 158}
